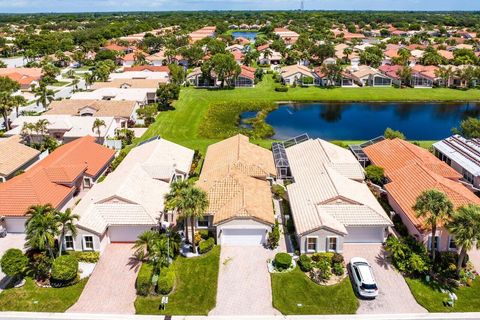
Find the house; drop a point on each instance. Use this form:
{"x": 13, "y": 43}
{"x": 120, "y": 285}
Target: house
{"x": 288, "y": 36}
{"x": 410, "y": 170}
{"x": 57, "y": 180}
{"x": 463, "y": 155}
{"x": 158, "y": 58}
{"x": 368, "y": 76}
{"x": 26, "y": 77}
{"x": 299, "y": 74}
{"x": 271, "y": 58}
{"x": 392, "y": 72}
{"x": 128, "y": 84}
{"x": 235, "y": 176}
{"x": 142, "y": 96}
{"x": 63, "y": 128}
{"x": 246, "y": 78}
{"x": 121, "y": 111}
{"x": 330, "y": 203}
{"x": 15, "y": 157}
{"x": 346, "y": 79}
{"x": 143, "y": 72}
{"x": 205, "y": 32}
{"x": 118, "y": 48}
{"x": 130, "y": 200}
{"x": 424, "y": 76}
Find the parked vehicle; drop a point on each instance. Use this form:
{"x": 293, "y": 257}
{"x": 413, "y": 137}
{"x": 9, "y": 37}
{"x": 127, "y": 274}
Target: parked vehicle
{"x": 363, "y": 278}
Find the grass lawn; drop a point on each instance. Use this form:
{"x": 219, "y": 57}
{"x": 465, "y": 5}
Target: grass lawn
{"x": 432, "y": 299}
{"x": 181, "y": 125}
{"x": 32, "y": 298}
{"x": 293, "y": 288}
{"x": 60, "y": 83}
{"x": 195, "y": 287}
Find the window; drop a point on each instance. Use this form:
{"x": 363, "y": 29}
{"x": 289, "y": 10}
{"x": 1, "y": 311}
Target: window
{"x": 68, "y": 243}
{"x": 202, "y": 222}
{"x": 435, "y": 245}
{"x": 467, "y": 176}
{"x": 87, "y": 182}
{"x": 88, "y": 243}
{"x": 311, "y": 244}
{"x": 332, "y": 243}
{"x": 451, "y": 244}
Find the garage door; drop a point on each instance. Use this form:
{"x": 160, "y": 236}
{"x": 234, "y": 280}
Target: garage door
{"x": 364, "y": 235}
{"x": 15, "y": 225}
{"x": 125, "y": 234}
{"x": 242, "y": 237}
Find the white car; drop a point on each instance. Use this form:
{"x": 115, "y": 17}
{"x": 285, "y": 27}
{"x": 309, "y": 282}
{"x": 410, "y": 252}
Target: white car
{"x": 363, "y": 278}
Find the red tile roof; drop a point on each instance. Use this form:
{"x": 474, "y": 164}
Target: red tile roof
{"x": 247, "y": 72}
{"x": 148, "y": 68}
{"x": 49, "y": 181}
{"x": 390, "y": 70}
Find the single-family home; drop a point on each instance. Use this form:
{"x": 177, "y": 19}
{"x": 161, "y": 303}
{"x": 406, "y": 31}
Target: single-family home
{"x": 205, "y": 32}
{"x": 246, "y": 78}
{"x": 298, "y": 74}
{"x": 367, "y": 76}
{"x": 235, "y": 176}
{"x": 288, "y": 36}
{"x": 345, "y": 80}
{"x": 463, "y": 155}
{"x": 330, "y": 203}
{"x": 15, "y": 157}
{"x": 269, "y": 57}
{"x": 157, "y": 58}
{"x": 142, "y": 96}
{"x": 411, "y": 170}
{"x": 143, "y": 72}
{"x": 26, "y": 77}
{"x": 57, "y": 179}
{"x": 131, "y": 199}
{"x": 424, "y": 76}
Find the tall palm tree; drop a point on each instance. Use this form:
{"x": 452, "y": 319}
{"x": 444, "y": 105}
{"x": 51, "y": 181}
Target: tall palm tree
{"x": 172, "y": 200}
{"x": 41, "y": 228}
{"x": 66, "y": 223}
{"x": 43, "y": 94}
{"x": 7, "y": 99}
{"x": 89, "y": 79}
{"x": 97, "y": 125}
{"x": 41, "y": 127}
{"x": 435, "y": 207}
{"x": 75, "y": 83}
{"x": 347, "y": 52}
{"x": 465, "y": 227}
{"x": 193, "y": 203}
{"x": 446, "y": 74}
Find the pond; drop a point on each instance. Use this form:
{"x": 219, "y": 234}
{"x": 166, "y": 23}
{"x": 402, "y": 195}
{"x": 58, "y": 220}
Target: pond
{"x": 363, "y": 121}
{"x": 245, "y": 34}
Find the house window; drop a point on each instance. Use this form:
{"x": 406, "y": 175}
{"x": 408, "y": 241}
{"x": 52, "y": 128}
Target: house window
{"x": 202, "y": 222}
{"x": 451, "y": 244}
{"x": 87, "y": 182}
{"x": 311, "y": 244}
{"x": 88, "y": 243}
{"x": 467, "y": 176}
{"x": 433, "y": 245}
{"x": 68, "y": 243}
{"x": 332, "y": 243}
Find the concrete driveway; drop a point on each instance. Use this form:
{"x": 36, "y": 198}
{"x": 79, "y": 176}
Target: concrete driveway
{"x": 244, "y": 286}
{"x": 474, "y": 256}
{"x": 12, "y": 240}
{"x": 394, "y": 293}
{"x": 111, "y": 287}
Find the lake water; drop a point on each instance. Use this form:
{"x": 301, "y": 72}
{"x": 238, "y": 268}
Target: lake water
{"x": 363, "y": 121}
{"x": 248, "y": 35}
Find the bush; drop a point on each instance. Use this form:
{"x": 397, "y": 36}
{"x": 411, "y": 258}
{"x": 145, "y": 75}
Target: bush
{"x": 87, "y": 256}
{"x": 322, "y": 272}
{"x": 64, "y": 269}
{"x": 338, "y": 269}
{"x": 14, "y": 263}
{"x": 282, "y": 261}
{"x": 278, "y": 190}
{"x": 305, "y": 263}
{"x": 206, "y": 245}
{"x": 337, "y": 258}
{"x": 281, "y": 88}
{"x": 204, "y": 234}
{"x": 144, "y": 279}
{"x": 323, "y": 256}
{"x": 392, "y": 134}
{"x": 375, "y": 174}
{"x": 274, "y": 236}
{"x": 40, "y": 263}
{"x": 166, "y": 281}
{"x": 399, "y": 226}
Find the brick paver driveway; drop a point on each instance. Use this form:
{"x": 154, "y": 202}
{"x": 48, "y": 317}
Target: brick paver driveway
{"x": 12, "y": 240}
{"x": 244, "y": 286}
{"x": 394, "y": 294}
{"x": 111, "y": 287}
{"x": 474, "y": 256}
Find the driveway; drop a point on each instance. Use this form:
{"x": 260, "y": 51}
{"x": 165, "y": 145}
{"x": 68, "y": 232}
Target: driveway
{"x": 394, "y": 293}
{"x": 244, "y": 286}
{"x": 12, "y": 240}
{"x": 111, "y": 287}
{"x": 474, "y": 258}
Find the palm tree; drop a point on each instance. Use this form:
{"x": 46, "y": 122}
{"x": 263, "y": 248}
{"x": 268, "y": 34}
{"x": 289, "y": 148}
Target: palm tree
{"x": 347, "y": 52}
{"x": 16, "y": 102}
{"x": 465, "y": 227}
{"x": 7, "y": 99}
{"x": 97, "y": 124}
{"x": 43, "y": 94}
{"x": 41, "y": 228}
{"x": 144, "y": 244}
{"x": 66, "y": 223}
{"x": 435, "y": 207}
{"x": 89, "y": 79}
{"x": 172, "y": 200}
{"x": 41, "y": 127}
{"x": 405, "y": 75}
{"x": 27, "y": 132}
{"x": 75, "y": 83}
{"x": 446, "y": 74}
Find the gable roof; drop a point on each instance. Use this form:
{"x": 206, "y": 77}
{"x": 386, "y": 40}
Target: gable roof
{"x": 129, "y": 83}
{"x": 14, "y": 155}
{"x": 148, "y": 68}
{"x": 104, "y": 108}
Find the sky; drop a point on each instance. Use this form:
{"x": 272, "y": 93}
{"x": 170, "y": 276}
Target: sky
{"x": 29, "y": 6}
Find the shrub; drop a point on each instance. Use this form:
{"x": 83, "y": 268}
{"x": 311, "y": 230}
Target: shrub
{"x": 87, "y": 256}
{"x": 375, "y": 174}
{"x": 282, "y": 261}
{"x": 14, "y": 263}
{"x": 64, "y": 269}
{"x": 40, "y": 263}
{"x": 281, "y": 88}
{"x": 278, "y": 190}
{"x": 305, "y": 263}
{"x": 144, "y": 279}
{"x": 166, "y": 281}
{"x": 206, "y": 245}
{"x": 324, "y": 269}
{"x": 399, "y": 226}
{"x": 338, "y": 269}
{"x": 392, "y": 134}
{"x": 337, "y": 258}
{"x": 323, "y": 256}
{"x": 274, "y": 236}
{"x": 204, "y": 234}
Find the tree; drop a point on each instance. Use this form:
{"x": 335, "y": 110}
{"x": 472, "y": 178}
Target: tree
{"x": 431, "y": 57}
{"x": 393, "y": 134}
{"x": 41, "y": 228}
{"x": 66, "y": 223}
{"x": 166, "y": 93}
{"x": 225, "y": 67}
{"x": 173, "y": 199}
{"x": 347, "y": 52}
{"x": 49, "y": 73}
{"x": 372, "y": 56}
{"x": 177, "y": 73}
{"x": 375, "y": 174}
{"x": 7, "y": 100}
{"x": 97, "y": 125}
{"x": 140, "y": 59}
{"x": 89, "y": 78}
{"x": 435, "y": 207}
{"x": 405, "y": 75}
{"x": 43, "y": 94}
{"x": 465, "y": 227}
{"x": 403, "y": 56}
{"x": 103, "y": 69}
{"x": 469, "y": 128}
{"x": 14, "y": 263}
{"x": 333, "y": 73}
{"x": 323, "y": 51}
{"x": 445, "y": 73}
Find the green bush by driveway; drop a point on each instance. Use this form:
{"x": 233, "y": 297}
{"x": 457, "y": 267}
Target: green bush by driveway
{"x": 295, "y": 293}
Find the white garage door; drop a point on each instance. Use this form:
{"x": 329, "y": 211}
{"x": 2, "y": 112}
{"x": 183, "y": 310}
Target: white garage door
{"x": 242, "y": 237}
{"x": 364, "y": 235}
{"x": 15, "y": 225}
{"x": 126, "y": 234}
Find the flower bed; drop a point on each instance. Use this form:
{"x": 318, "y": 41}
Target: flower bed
{"x": 323, "y": 268}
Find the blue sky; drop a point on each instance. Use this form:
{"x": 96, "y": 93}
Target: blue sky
{"x": 165, "y": 5}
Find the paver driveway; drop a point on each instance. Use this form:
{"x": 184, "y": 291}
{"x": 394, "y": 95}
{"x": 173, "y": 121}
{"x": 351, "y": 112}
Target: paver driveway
{"x": 474, "y": 256}
{"x": 244, "y": 286}
{"x": 12, "y": 240}
{"x": 111, "y": 287}
{"x": 394, "y": 293}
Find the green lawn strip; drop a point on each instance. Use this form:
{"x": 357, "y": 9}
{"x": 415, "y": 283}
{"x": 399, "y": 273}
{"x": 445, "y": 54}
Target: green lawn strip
{"x": 432, "y": 298}
{"x": 195, "y": 287}
{"x": 293, "y": 288}
{"x": 32, "y": 298}
{"x": 60, "y": 83}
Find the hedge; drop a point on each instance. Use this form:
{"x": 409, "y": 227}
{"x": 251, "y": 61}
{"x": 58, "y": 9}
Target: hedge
{"x": 206, "y": 245}
{"x": 64, "y": 269}
{"x": 166, "y": 281}
{"x": 305, "y": 263}
{"x": 14, "y": 263}
{"x": 144, "y": 279}
{"x": 283, "y": 261}
{"x": 87, "y": 256}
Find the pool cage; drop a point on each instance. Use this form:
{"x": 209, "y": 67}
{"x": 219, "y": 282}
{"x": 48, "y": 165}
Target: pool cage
{"x": 280, "y": 156}
{"x": 357, "y": 150}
